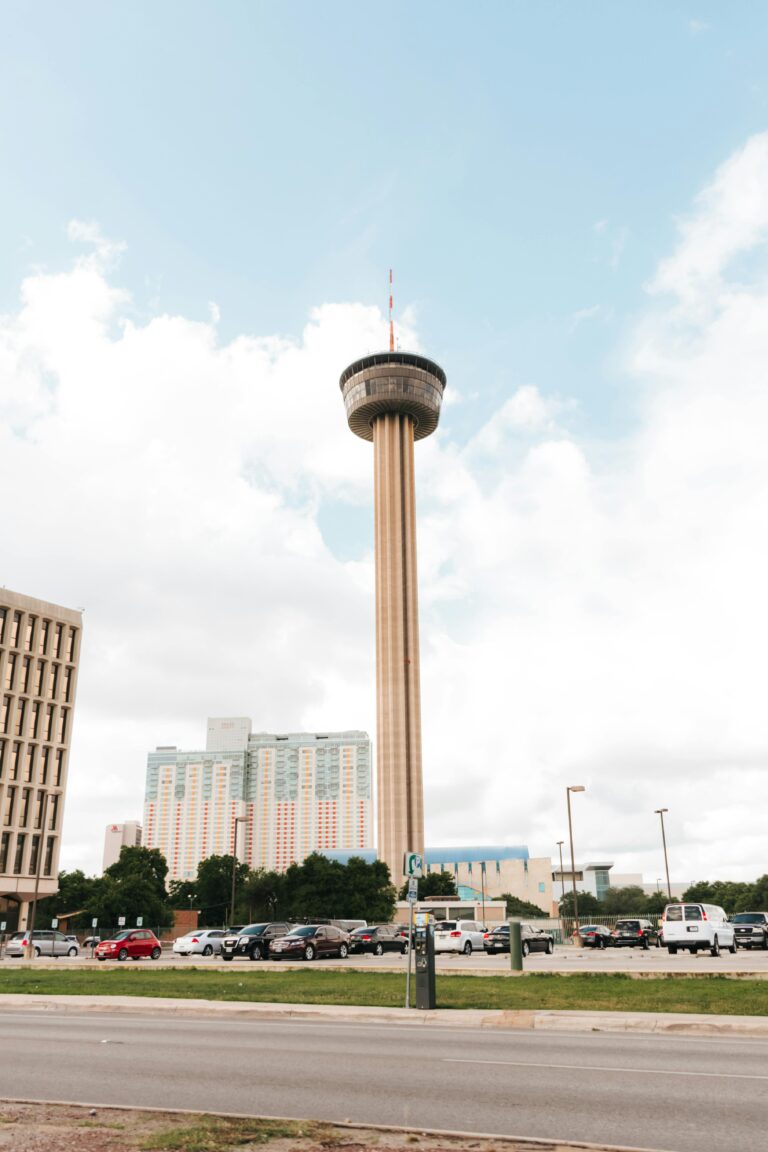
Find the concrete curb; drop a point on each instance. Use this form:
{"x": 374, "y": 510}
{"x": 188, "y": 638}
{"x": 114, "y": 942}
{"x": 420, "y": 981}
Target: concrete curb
{"x": 678, "y": 1023}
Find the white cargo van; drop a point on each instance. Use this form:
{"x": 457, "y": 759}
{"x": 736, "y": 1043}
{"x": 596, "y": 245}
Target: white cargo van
{"x": 697, "y": 927}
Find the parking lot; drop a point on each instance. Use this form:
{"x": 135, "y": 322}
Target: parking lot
{"x": 565, "y": 959}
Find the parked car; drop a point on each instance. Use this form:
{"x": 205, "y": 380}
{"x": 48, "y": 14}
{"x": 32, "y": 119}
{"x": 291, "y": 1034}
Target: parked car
{"x": 634, "y": 934}
{"x": 697, "y": 927}
{"x": 310, "y": 941}
{"x": 253, "y": 940}
{"x": 203, "y": 942}
{"x": 132, "y": 943}
{"x": 91, "y": 942}
{"x": 531, "y": 939}
{"x": 464, "y": 936}
{"x": 751, "y": 929}
{"x": 379, "y": 938}
{"x": 595, "y": 936}
{"x": 46, "y": 941}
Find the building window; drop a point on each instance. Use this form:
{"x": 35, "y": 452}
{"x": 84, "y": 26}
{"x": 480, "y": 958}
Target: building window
{"x": 53, "y": 681}
{"x": 44, "y": 757}
{"x": 2, "y": 756}
{"x": 39, "y": 810}
{"x": 10, "y": 668}
{"x": 21, "y": 706}
{"x": 25, "y": 674}
{"x": 34, "y": 718}
{"x": 68, "y": 684}
{"x": 15, "y": 629}
{"x": 29, "y": 767}
{"x": 44, "y": 626}
{"x": 5, "y": 840}
{"x": 57, "y": 640}
{"x": 5, "y": 714}
{"x": 26, "y": 796}
{"x": 71, "y": 645}
{"x": 49, "y": 722}
{"x": 29, "y": 634}
{"x": 19, "y": 856}
{"x": 39, "y": 673}
{"x": 48, "y": 865}
{"x": 35, "y": 848}
{"x": 3, "y": 616}
{"x": 54, "y": 809}
{"x": 10, "y": 804}
{"x": 61, "y": 735}
{"x": 16, "y": 764}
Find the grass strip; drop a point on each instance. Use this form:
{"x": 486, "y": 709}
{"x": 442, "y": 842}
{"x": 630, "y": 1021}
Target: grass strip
{"x": 612, "y": 992}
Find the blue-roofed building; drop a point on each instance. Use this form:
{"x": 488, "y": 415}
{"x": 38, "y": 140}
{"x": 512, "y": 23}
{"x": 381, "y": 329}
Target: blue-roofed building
{"x": 483, "y": 871}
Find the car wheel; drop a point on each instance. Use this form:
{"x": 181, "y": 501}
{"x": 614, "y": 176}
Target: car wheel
{"x": 715, "y": 949}
{"x": 255, "y": 953}
{"x": 672, "y": 949}
{"x": 550, "y": 947}
{"x": 468, "y": 948}
{"x": 122, "y": 954}
{"x": 227, "y": 959}
{"x": 378, "y": 949}
{"x": 405, "y": 948}
{"x": 156, "y": 953}
{"x": 732, "y": 948}
{"x": 343, "y": 951}
{"x": 646, "y": 945}
{"x": 765, "y": 943}
{"x": 100, "y": 959}
{"x": 525, "y": 948}
{"x": 309, "y": 952}
{"x": 208, "y": 950}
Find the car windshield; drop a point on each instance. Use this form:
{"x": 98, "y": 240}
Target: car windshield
{"x": 446, "y": 926}
{"x": 749, "y": 918}
{"x": 121, "y": 935}
{"x": 633, "y": 925}
{"x": 305, "y": 930}
{"x": 254, "y": 930}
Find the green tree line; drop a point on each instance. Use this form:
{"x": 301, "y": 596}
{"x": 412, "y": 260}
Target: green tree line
{"x": 136, "y": 885}
{"x": 733, "y": 896}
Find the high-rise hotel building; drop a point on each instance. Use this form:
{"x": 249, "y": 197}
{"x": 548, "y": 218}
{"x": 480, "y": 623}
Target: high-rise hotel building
{"x": 269, "y": 799}
{"x": 39, "y": 652}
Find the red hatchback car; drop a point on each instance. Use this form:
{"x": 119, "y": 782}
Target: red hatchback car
{"x": 133, "y": 943}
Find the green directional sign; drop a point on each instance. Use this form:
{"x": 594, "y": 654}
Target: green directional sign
{"x": 413, "y": 865}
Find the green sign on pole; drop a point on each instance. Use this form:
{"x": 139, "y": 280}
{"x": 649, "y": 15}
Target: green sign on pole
{"x": 413, "y": 865}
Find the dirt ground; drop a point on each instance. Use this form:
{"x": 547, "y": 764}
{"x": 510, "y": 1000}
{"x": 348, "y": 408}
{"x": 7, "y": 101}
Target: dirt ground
{"x": 69, "y": 1128}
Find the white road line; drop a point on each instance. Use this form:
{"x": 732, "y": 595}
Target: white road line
{"x": 607, "y": 1068}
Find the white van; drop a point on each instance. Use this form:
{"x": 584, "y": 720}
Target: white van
{"x": 697, "y": 927}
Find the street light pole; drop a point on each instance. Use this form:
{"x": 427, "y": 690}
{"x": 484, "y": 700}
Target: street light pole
{"x": 562, "y": 890}
{"x": 660, "y": 813}
{"x": 237, "y": 820}
{"x": 574, "y": 788}
{"x": 39, "y": 866}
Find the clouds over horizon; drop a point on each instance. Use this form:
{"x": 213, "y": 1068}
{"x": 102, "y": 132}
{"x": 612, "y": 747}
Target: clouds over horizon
{"x": 592, "y": 611}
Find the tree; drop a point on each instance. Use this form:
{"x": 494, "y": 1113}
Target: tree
{"x": 589, "y": 905}
{"x": 631, "y": 900}
{"x": 214, "y": 887}
{"x": 433, "y": 884}
{"x": 518, "y": 907}
{"x": 370, "y": 894}
{"x": 134, "y": 886}
{"x": 76, "y": 893}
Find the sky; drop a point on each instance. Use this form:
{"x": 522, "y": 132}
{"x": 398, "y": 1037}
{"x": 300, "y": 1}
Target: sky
{"x": 199, "y": 206}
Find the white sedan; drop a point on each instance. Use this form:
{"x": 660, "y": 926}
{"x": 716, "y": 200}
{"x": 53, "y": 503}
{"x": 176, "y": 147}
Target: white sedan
{"x": 204, "y": 942}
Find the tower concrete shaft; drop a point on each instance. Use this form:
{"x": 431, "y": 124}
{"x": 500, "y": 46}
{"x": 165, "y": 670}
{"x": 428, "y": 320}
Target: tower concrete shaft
{"x": 400, "y": 793}
{"x": 394, "y": 399}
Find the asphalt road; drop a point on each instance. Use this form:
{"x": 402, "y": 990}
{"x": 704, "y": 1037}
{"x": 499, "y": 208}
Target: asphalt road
{"x": 687, "y": 1094}
{"x": 564, "y": 959}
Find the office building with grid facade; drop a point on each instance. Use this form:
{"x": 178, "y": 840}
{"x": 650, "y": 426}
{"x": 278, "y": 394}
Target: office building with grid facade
{"x": 270, "y": 799}
{"x": 39, "y": 652}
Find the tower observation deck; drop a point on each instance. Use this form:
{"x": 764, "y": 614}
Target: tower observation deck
{"x": 393, "y": 399}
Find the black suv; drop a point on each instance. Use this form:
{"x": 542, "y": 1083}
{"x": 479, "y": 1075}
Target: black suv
{"x": 751, "y": 929}
{"x": 634, "y": 934}
{"x": 253, "y": 941}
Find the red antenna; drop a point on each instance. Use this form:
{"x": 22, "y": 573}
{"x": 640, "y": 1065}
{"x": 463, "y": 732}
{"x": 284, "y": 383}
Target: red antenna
{"x": 391, "y": 325}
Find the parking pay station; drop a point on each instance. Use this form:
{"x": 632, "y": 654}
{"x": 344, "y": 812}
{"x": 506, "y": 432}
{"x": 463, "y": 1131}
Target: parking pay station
{"x": 424, "y": 953}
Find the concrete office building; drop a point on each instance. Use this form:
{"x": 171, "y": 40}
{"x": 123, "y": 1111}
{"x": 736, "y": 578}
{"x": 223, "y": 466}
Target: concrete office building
{"x": 39, "y": 653}
{"x": 270, "y": 799}
{"x": 117, "y": 837}
{"x": 394, "y": 398}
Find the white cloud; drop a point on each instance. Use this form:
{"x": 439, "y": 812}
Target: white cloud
{"x": 591, "y": 612}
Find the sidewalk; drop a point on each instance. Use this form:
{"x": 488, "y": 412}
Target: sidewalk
{"x": 678, "y": 1023}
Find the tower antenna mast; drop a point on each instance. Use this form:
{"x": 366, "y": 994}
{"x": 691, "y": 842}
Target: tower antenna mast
{"x": 391, "y": 323}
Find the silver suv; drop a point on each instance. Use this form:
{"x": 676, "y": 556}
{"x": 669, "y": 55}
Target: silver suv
{"x": 47, "y": 942}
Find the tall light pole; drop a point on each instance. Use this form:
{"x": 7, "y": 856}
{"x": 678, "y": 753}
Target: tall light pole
{"x": 569, "y": 789}
{"x": 237, "y": 820}
{"x": 562, "y": 873}
{"x": 660, "y": 813}
{"x": 39, "y": 864}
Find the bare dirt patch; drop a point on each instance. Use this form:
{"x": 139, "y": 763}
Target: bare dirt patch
{"x": 72, "y": 1128}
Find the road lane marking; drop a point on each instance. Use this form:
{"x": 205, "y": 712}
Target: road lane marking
{"x": 607, "y": 1068}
